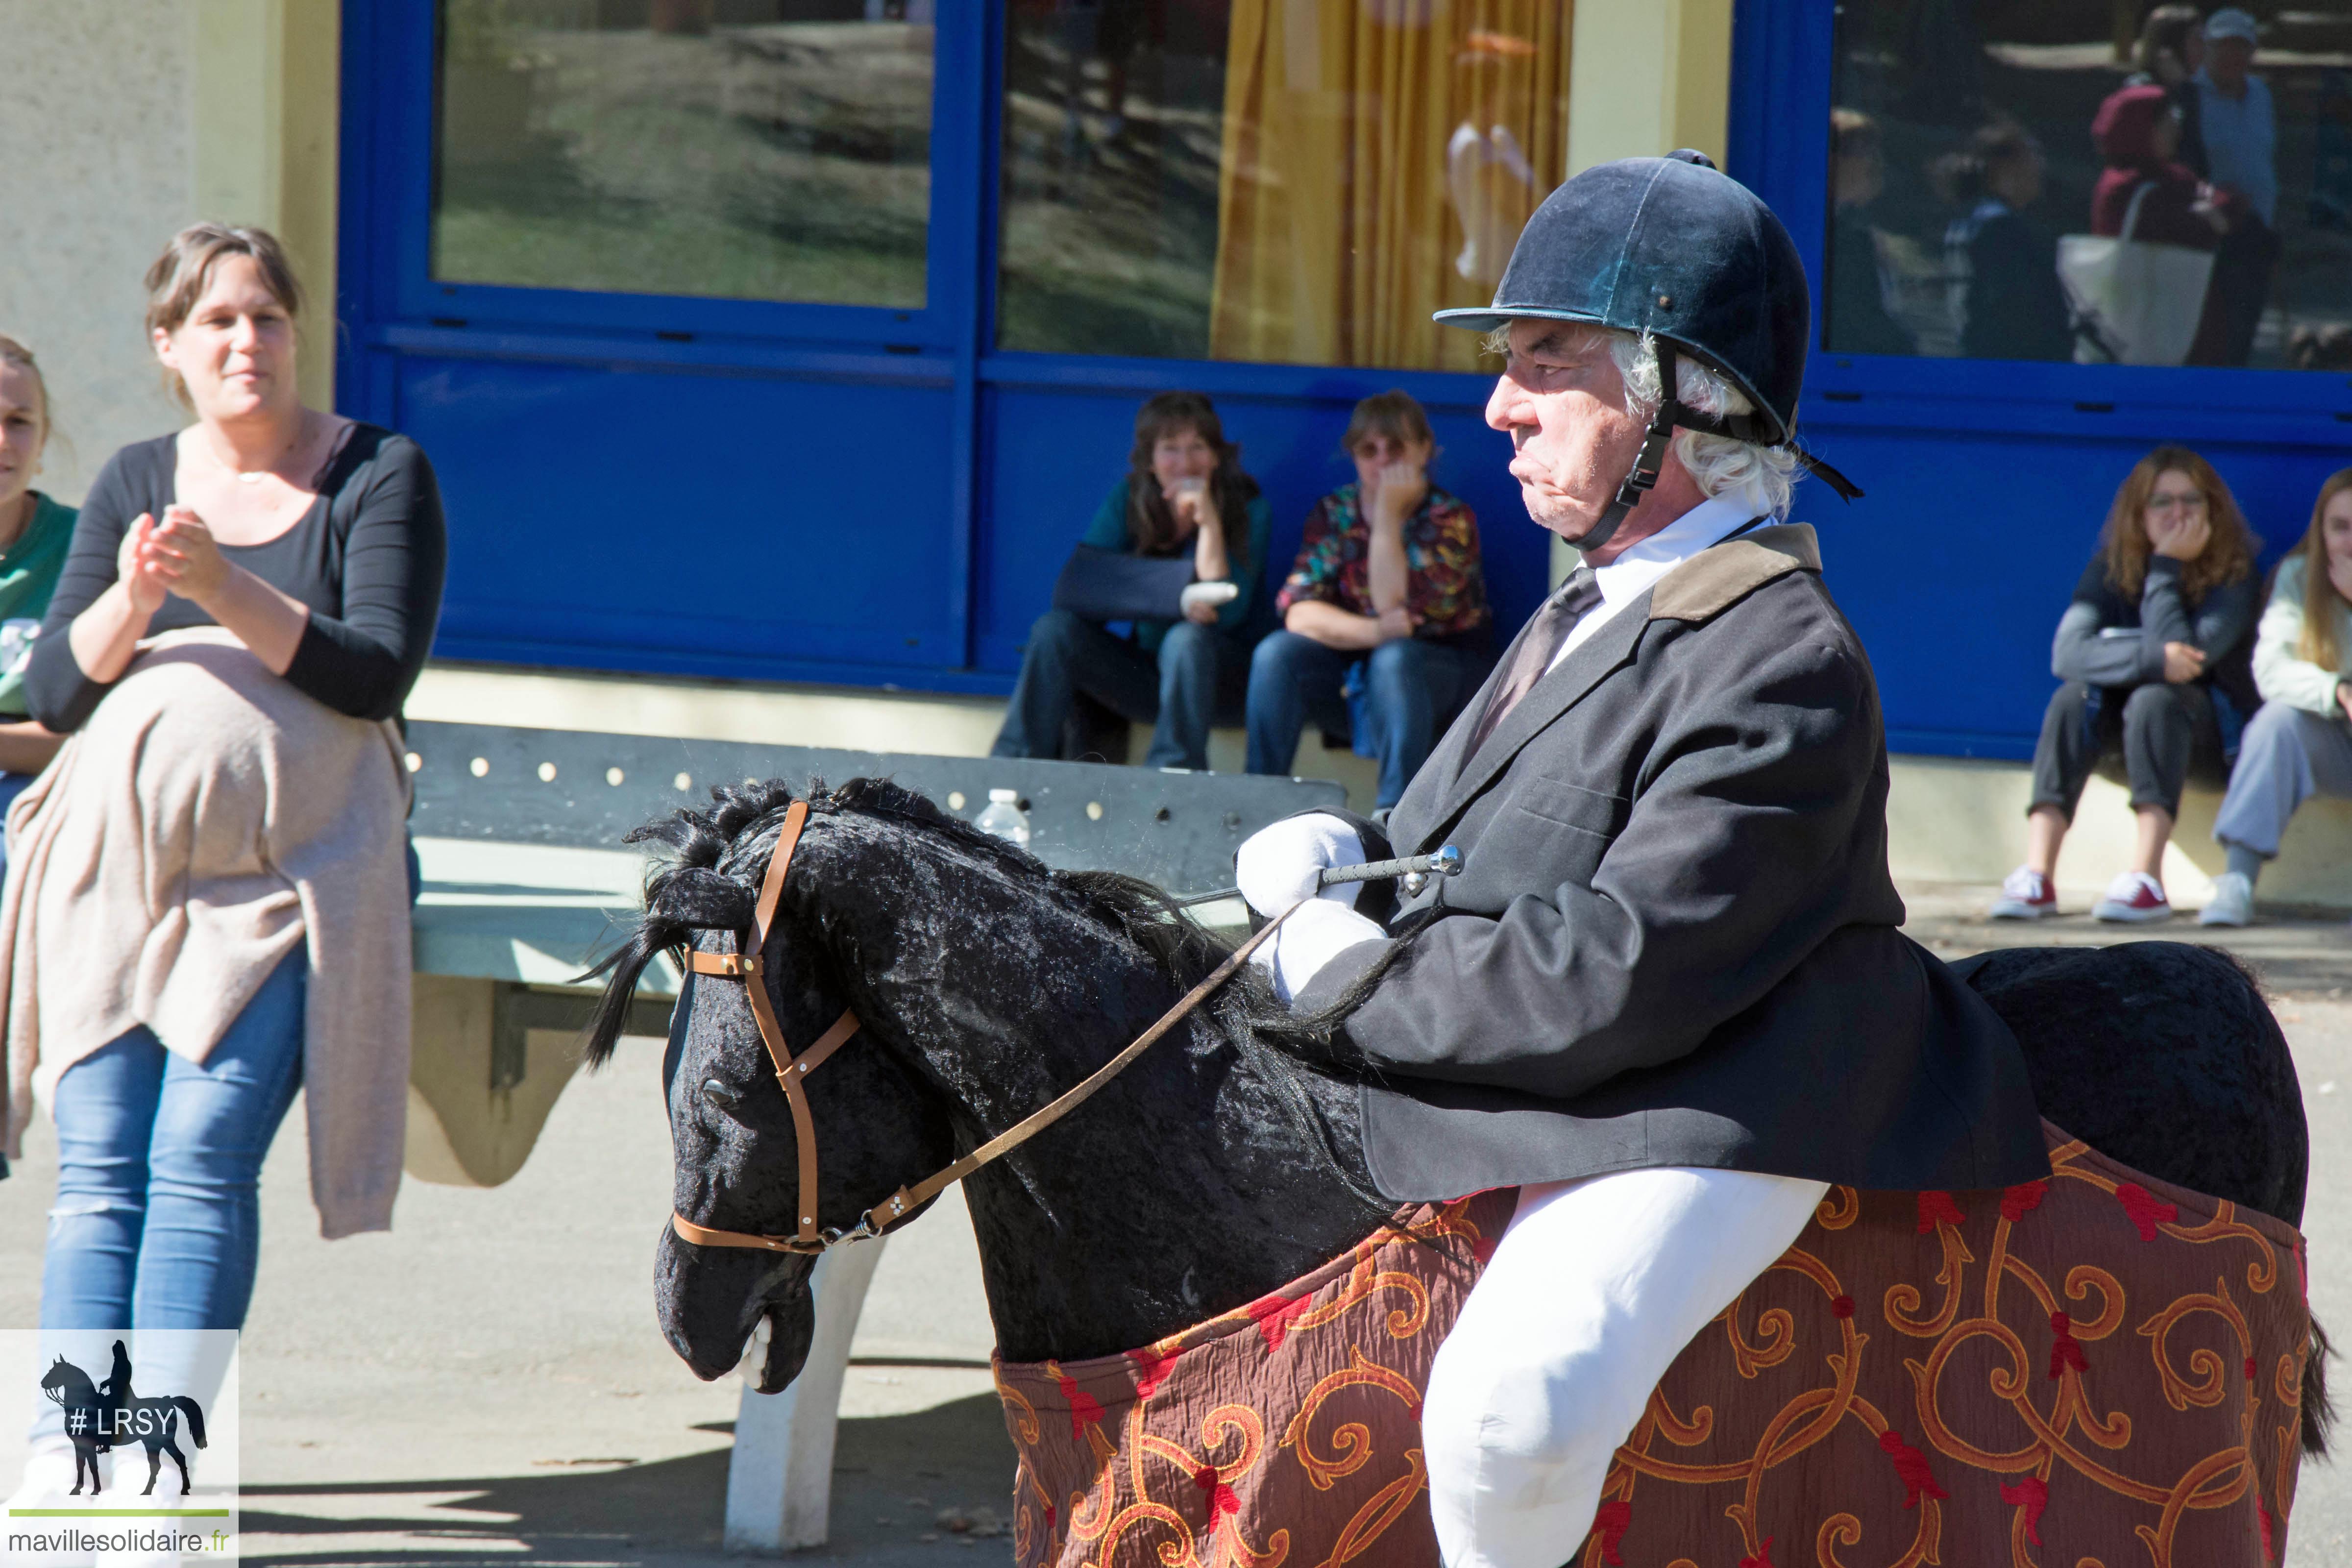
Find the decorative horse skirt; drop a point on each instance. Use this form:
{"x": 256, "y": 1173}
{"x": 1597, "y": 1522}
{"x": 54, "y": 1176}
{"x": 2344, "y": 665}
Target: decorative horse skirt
{"x": 2100, "y": 1368}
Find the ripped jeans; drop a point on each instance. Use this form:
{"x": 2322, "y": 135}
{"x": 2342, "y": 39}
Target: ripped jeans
{"x": 158, "y": 1218}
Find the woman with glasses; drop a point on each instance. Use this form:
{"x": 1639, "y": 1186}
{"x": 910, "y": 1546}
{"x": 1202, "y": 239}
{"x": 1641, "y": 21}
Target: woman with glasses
{"x": 2152, "y": 654}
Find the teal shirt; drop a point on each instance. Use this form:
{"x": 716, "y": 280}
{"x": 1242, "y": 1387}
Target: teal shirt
{"x": 28, "y": 576}
{"x": 1109, "y": 531}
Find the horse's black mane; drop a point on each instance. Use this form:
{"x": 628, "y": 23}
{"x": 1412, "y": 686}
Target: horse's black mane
{"x": 710, "y": 881}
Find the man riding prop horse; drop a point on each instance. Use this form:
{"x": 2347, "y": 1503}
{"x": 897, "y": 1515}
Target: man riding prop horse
{"x": 1667, "y": 998}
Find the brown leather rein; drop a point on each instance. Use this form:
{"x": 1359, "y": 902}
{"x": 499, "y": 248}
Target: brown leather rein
{"x": 792, "y": 1070}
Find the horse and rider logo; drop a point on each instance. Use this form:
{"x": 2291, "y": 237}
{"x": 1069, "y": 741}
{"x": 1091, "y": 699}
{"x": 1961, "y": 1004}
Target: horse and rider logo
{"x": 112, "y": 1415}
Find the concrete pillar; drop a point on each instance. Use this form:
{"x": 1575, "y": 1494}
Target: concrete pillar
{"x": 780, "y": 1477}
{"x": 1645, "y": 77}
{"x": 264, "y": 122}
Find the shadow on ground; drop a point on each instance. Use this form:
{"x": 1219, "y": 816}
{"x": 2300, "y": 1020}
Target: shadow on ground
{"x": 2292, "y": 951}
{"x": 893, "y": 1475}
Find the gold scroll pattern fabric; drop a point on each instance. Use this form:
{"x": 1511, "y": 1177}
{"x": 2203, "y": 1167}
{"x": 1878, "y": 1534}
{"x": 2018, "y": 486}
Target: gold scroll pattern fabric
{"x": 2097, "y": 1371}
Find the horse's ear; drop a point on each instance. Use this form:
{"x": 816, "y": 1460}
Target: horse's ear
{"x": 703, "y": 899}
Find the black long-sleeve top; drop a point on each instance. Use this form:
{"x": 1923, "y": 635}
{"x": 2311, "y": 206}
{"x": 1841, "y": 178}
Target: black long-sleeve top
{"x": 2106, "y": 639}
{"x": 368, "y": 559}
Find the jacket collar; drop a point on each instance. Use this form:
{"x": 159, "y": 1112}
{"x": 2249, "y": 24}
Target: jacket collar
{"x": 1697, "y": 587}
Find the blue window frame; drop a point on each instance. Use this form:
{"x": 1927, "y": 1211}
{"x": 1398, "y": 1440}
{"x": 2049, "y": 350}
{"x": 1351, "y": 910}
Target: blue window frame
{"x": 1988, "y": 479}
{"x": 841, "y": 494}
{"x": 395, "y": 71}
{"x": 1779, "y": 131}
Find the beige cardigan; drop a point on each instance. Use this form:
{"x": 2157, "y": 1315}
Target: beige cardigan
{"x": 208, "y": 820}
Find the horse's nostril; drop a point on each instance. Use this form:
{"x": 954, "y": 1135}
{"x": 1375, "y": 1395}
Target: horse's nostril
{"x": 719, "y": 1094}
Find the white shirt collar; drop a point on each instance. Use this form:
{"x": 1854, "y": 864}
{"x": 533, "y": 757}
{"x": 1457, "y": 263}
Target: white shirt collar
{"x": 1638, "y": 569}
{"x": 1632, "y": 573}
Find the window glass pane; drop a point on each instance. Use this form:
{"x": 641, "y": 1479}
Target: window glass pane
{"x": 2060, "y": 180}
{"x": 1301, "y": 181}
{"x": 742, "y": 149}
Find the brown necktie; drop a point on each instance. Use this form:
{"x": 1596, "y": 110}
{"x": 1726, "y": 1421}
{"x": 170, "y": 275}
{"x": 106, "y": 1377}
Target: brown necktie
{"x": 1537, "y": 649}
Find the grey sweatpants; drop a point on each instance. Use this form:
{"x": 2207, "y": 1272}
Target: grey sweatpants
{"x": 2285, "y": 757}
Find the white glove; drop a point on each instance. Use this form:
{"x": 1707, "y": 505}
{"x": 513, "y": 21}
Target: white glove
{"x": 1276, "y": 865}
{"x": 1207, "y": 594}
{"x": 1315, "y": 933}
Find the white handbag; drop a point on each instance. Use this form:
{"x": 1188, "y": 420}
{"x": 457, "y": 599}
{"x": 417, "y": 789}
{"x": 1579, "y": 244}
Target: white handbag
{"x": 2139, "y": 300}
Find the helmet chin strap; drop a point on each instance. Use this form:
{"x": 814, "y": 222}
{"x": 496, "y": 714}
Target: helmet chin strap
{"x": 1652, "y": 458}
{"x": 1648, "y": 463}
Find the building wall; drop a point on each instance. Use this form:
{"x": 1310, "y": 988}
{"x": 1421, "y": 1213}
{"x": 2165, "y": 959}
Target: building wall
{"x": 98, "y": 120}
{"x": 126, "y": 120}
{"x": 130, "y": 118}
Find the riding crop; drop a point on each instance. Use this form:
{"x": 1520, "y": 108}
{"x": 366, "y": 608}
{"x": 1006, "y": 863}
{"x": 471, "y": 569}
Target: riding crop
{"x": 1445, "y": 862}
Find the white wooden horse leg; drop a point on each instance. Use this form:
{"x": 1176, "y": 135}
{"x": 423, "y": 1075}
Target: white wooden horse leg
{"x": 780, "y": 1477}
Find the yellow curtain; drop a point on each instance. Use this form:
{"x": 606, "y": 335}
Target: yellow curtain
{"x": 1380, "y": 156}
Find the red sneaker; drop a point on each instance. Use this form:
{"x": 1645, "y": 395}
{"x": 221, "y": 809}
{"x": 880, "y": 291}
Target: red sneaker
{"x": 2134, "y": 896}
{"x": 2025, "y": 895}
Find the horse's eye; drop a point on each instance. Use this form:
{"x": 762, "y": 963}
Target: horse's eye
{"x": 720, "y": 1095}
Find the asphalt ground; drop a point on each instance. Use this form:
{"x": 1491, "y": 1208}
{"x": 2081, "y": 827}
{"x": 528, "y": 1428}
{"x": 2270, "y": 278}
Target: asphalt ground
{"x": 485, "y": 1384}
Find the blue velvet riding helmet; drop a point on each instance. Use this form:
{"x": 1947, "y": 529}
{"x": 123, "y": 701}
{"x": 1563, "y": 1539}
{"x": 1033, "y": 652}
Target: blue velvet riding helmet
{"x": 1675, "y": 248}
{"x": 1668, "y": 246}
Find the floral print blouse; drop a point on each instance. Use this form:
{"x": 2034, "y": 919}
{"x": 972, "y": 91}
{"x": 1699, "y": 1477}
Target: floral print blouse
{"x": 1445, "y": 587}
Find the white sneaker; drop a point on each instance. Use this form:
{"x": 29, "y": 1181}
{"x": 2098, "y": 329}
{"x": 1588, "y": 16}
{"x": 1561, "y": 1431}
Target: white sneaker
{"x": 2025, "y": 895}
{"x": 48, "y": 1478}
{"x": 2134, "y": 897}
{"x": 2232, "y": 903}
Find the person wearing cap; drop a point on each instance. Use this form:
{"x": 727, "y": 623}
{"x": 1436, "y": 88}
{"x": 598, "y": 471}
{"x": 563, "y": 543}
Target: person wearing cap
{"x": 2240, "y": 124}
{"x": 1667, "y": 996}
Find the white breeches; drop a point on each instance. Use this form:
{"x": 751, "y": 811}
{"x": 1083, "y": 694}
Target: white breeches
{"x": 1593, "y": 1291}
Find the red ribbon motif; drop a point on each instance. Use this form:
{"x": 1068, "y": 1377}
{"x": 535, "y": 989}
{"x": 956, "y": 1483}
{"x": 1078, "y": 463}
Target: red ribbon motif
{"x": 2022, "y": 1199}
{"x": 1609, "y": 1523}
{"x": 1151, "y": 1371}
{"x": 2147, "y": 1211}
{"x": 1937, "y": 1208}
{"x": 2032, "y": 1495}
{"x": 1084, "y": 1409}
{"x": 1275, "y": 1314}
{"x": 2065, "y": 1350}
{"x": 1221, "y": 1499}
{"x": 1911, "y": 1468}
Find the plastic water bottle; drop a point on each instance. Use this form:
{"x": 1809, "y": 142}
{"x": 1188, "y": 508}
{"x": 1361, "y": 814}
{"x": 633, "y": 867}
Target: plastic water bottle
{"x": 1004, "y": 817}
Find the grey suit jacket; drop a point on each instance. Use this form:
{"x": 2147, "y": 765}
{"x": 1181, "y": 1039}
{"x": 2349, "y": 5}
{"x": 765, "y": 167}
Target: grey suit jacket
{"x": 1674, "y": 940}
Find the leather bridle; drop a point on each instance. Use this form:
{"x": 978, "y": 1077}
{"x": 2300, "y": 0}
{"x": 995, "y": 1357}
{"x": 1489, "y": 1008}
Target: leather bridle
{"x": 792, "y": 1072}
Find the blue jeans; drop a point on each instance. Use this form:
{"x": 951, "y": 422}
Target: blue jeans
{"x": 1409, "y": 687}
{"x": 158, "y": 1218}
{"x": 1174, "y": 690}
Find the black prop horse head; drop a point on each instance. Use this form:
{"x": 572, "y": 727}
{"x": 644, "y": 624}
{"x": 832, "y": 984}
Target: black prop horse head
{"x": 986, "y": 984}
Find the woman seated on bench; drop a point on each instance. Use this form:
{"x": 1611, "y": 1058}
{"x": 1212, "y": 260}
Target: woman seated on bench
{"x": 1388, "y": 589}
{"x": 2300, "y": 743}
{"x": 2150, "y": 650}
{"x": 1185, "y": 497}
